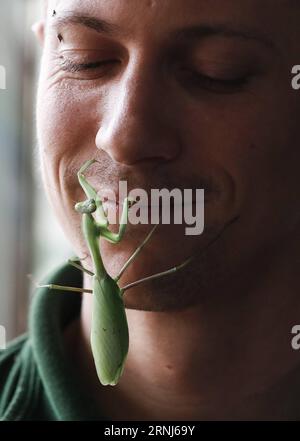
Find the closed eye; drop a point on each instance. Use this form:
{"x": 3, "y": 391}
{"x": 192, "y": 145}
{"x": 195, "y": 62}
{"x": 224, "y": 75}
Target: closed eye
{"x": 194, "y": 79}
{"x": 73, "y": 67}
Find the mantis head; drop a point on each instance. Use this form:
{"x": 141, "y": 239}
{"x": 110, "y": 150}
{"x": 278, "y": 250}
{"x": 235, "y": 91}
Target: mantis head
{"x": 86, "y": 207}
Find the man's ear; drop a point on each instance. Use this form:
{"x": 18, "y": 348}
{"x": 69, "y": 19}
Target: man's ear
{"x": 39, "y": 31}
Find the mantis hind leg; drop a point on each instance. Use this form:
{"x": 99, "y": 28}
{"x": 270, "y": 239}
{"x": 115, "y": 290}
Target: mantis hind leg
{"x": 71, "y": 262}
{"x": 176, "y": 268}
{"x": 81, "y": 268}
{"x": 158, "y": 275}
{"x": 65, "y": 288}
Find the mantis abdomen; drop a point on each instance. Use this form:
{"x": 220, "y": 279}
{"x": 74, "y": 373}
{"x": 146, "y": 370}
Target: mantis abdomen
{"x": 109, "y": 336}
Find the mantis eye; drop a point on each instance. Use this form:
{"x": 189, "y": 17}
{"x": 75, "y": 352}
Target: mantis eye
{"x": 86, "y": 207}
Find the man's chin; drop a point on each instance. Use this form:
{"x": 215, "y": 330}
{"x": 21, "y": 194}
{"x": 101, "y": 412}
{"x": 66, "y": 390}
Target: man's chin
{"x": 196, "y": 283}
{"x": 175, "y": 292}
{"x": 160, "y": 302}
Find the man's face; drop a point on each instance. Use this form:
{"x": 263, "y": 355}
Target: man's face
{"x": 176, "y": 94}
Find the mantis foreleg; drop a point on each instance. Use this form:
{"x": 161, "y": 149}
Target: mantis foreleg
{"x": 92, "y": 193}
{"x": 117, "y": 237}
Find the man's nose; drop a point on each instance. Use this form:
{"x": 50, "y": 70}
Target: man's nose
{"x": 138, "y": 120}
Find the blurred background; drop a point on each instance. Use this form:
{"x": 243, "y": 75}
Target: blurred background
{"x": 31, "y": 241}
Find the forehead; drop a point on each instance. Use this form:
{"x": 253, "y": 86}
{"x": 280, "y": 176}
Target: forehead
{"x": 147, "y": 9}
{"x": 277, "y": 19}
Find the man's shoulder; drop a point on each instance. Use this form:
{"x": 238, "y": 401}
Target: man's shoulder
{"x": 10, "y": 370}
{"x": 38, "y": 382}
{"x": 9, "y": 356}
{"x": 22, "y": 396}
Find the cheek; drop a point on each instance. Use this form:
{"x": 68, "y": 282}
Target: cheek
{"x": 67, "y": 124}
{"x": 247, "y": 138}
{"x": 67, "y": 121}
{"x": 254, "y": 143}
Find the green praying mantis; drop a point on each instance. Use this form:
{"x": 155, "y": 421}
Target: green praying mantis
{"x": 109, "y": 331}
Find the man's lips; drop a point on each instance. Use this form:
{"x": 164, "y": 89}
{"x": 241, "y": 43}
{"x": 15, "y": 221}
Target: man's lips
{"x": 172, "y": 204}
{"x": 112, "y": 198}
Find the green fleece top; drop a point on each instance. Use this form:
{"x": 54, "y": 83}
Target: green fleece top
{"x": 37, "y": 381}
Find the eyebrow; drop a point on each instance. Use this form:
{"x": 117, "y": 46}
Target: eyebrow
{"x": 199, "y": 32}
{"x": 97, "y": 24}
{"x": 191, "y": 33}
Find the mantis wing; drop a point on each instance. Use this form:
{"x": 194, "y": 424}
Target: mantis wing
{"x": 109, "y": 335}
